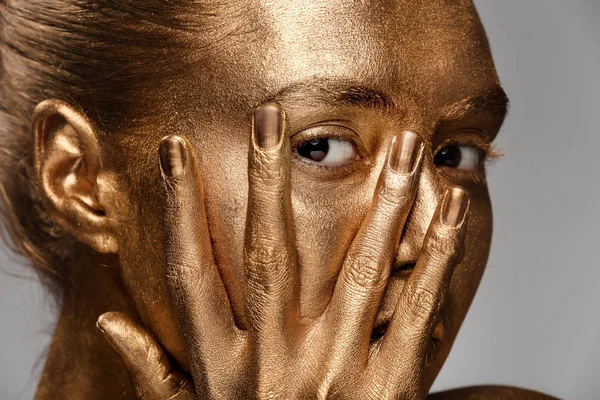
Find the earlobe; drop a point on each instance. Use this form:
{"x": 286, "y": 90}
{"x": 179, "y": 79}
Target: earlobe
{"x": 69, "y": 171}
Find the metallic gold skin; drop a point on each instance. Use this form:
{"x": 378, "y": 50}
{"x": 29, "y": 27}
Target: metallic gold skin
{"x": 235, "y": 268}
{"x": 153, "y": 375}
{"x": 280, "y": 354}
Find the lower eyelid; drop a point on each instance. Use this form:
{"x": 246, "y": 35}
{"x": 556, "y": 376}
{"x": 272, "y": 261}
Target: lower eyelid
{"x": 464, "y": 176}
{"x": 325, "y": 172}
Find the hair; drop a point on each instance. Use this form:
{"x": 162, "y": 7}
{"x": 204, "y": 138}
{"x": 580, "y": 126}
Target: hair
{"x": 101, "y": 56}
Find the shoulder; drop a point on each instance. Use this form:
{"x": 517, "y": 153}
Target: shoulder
{"x": 490, "y": 393}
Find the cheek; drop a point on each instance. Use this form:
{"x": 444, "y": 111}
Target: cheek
{"x": 466, "y": 277}
{"x": 226, "y": 194}
{"x": 141, "y": 255}
{"x": 141, "y": 237}
{"x": 327, "y": 216}
{"x": 223, "y": 162}
{"x": 468, "y": 273}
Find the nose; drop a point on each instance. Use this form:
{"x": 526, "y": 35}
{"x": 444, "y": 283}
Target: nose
{"x": 430, "y": 191}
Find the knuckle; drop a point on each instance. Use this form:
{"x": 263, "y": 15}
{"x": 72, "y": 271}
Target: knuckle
{"x": 266, "y": 252}
{"x": 266, "y": 169}
{"x": 364, "y": 272}
{"x": 186, "y": 276}
{"x": 445, "y": 247}
{"x": 422, "y": 303}
{"x": 396, "y": 188}
{"x": 393, "y": 194}
{"x": 179, "y": 272}
{"x": 266, "y": 267}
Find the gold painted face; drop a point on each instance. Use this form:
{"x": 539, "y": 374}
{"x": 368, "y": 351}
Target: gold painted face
{"x": 349, "y": 76}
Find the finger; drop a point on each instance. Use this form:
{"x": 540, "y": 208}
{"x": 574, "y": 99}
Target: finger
{"x": 404, "y": 347}
{"x": 365, "y": 271}
{"x": 272, "y": 290}
{"x": 151, "y": 371}
{"x": 195, "y": 285}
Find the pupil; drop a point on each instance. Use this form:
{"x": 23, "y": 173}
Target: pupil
{"x": 315, "y": 150}
{"x": 449, "y": 157}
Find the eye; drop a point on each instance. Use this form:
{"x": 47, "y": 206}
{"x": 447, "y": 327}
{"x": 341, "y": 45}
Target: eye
{"x": 328, "y": 151}
{"x": 459, "y": 157}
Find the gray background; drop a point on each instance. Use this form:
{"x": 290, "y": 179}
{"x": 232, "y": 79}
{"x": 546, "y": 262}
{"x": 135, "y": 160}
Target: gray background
{"x": 534, "y": 322}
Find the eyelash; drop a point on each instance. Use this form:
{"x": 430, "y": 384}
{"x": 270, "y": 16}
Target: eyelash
{"x": 349, "y": 137}
{"x": 490, "y": 153}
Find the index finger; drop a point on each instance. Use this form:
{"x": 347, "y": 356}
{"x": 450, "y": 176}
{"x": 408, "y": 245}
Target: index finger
{"x": 195, "y": 285}
{"x": 272, "y": 287}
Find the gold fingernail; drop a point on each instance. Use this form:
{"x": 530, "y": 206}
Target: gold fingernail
{"x": 455, "y": 206}
{"x": 268, "y": 126}
{"x": 106, "y": 324}
{"x": 116, "y": 334}
{"x": 172, "y": 156}
{"x": 406, "y": 148}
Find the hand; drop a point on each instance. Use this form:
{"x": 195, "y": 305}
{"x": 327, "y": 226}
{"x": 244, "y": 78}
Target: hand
{"x": 151, "y": 371}
{"x": 281, "y": 355}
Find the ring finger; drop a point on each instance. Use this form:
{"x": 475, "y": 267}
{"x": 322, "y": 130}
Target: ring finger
{"x": 365, "y": 271}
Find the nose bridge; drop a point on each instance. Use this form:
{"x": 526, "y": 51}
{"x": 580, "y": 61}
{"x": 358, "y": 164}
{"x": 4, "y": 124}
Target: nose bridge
{"x": 429, "y": 193}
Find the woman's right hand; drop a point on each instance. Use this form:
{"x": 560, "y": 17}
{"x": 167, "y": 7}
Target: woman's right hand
{"x": 282, "y": 355}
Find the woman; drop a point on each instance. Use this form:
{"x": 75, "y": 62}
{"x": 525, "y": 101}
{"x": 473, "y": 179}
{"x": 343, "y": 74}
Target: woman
{"x": 329, "y": 249}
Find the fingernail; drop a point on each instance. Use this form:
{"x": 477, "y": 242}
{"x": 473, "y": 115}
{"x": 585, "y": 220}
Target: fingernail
{"x": 115, "y": 332}
{"x": 172, "y": 156}
{"x": 109, "y": 330}
{"x": 405, "y": 151}
{"x": 268, "y": 126}
{"x": 456, "y": 206}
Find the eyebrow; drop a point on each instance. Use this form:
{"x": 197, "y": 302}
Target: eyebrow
{"x": 334, "y": 92}
{"x": 494, "y": 101}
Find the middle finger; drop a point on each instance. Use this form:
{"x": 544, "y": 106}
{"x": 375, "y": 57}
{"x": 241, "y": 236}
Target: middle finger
{"x": 272, "y": 287}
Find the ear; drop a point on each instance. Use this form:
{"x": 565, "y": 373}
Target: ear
{"x": 69, "y": 171}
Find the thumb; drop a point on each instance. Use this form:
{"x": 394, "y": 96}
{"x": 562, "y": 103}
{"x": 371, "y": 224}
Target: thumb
{"x": 151, "y": 371}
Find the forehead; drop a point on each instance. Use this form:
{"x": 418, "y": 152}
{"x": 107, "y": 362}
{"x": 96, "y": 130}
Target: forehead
{"x": 432, "y": 52}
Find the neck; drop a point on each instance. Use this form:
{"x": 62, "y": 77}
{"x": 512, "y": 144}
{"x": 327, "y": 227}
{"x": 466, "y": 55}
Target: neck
{"x": 80, "y": 364}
